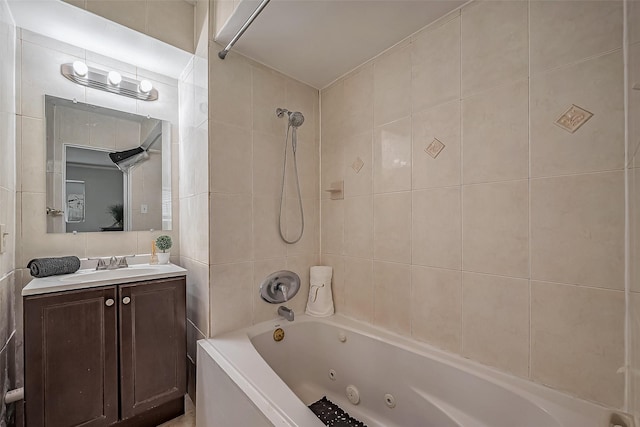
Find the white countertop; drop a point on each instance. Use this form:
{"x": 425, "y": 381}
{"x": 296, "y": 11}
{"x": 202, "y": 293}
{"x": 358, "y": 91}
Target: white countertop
{"x": 90, "y": 278}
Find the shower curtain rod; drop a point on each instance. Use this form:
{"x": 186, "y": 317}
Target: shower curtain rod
{"x": 223, "y": 53}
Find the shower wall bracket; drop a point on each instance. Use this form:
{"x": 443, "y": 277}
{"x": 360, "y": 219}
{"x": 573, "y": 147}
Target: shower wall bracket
{"x": 336, "y": 190}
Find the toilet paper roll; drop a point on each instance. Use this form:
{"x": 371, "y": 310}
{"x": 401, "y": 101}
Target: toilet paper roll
{"x": 320, "y": 302}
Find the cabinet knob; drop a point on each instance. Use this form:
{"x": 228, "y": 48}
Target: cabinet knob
{"x": 109, "y": 302}
{"x": 126, "y": 300}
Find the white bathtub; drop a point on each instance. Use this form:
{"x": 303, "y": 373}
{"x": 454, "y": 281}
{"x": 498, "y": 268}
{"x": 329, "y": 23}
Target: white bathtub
{"x": 246, "y": 379}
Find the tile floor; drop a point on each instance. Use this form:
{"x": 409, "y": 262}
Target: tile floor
{"x": 186, "y": 420}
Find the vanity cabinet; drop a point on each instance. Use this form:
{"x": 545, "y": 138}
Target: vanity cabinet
{"x": 114, "y": 355}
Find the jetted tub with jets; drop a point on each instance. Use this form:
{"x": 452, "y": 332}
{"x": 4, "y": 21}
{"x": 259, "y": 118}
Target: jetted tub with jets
{"x": 247, "y": 378}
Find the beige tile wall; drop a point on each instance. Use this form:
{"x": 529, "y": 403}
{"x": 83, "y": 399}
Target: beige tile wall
{"x": 194, "y": 192}
{"x": 172, "y": 21}
{"x": 246, "y": 160}
{"x": 222, "y": 11}
{"x": 194, "y": 204}
{"x": 508, "y": 247}
{"x": 7, "y": 203}
{"x": 40, "y": 62}
{"x": 633, "y": 126}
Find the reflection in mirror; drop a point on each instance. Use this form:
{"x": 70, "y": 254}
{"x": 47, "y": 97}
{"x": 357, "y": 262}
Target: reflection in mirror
{"x": 106, "y": 170}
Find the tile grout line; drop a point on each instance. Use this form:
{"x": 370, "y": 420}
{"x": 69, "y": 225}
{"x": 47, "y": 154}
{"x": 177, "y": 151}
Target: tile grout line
{"x": 529, "y": 364}
{"x": 318, "y": 125}
{"x": 627, "y": 237}
{"x": 461, "y": 186}
{"x": 375, "y": 64}
{"x": 253, "y": 260}
{"x": 411, "y": 302}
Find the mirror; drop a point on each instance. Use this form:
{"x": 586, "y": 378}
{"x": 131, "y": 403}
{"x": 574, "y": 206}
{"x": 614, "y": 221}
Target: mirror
{"x": 106, "y": 170}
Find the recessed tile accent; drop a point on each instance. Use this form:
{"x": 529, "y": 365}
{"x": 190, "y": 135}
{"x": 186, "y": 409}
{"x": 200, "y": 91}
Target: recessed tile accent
{"x": 572, "y": 119}
{"x": 595, "y": 84}
{"x": 434, "y": 148}
{"x": 357, "y": 165}
{"x": 442, "y": 122}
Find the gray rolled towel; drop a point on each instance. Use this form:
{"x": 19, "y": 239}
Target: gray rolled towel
{"x": 44, "y": 267}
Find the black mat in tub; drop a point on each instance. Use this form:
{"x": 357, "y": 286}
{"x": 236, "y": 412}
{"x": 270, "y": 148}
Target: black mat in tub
{"x": 332, "y": 415}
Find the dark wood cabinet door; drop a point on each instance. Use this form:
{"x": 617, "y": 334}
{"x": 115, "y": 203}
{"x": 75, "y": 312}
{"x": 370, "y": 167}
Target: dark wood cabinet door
{"x": 71, "y": 358}
{"x": 152, "y": 344}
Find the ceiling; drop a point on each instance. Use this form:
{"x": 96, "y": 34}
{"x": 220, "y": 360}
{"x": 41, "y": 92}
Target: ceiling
{"x": 317, "y": 41}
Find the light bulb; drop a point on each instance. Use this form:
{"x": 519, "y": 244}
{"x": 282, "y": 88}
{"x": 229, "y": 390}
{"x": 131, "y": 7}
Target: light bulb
{"x": 114, "y": 78}
{"x": 145, "y": 86}
{"x": 80, "y": 68}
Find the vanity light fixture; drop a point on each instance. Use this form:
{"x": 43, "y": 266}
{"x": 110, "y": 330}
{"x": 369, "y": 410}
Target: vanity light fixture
{"x": 145, "y": 86}
{"x": 109, "y": 81}
{"x": 114, "y": 78}
{"x": 80, "y": 68}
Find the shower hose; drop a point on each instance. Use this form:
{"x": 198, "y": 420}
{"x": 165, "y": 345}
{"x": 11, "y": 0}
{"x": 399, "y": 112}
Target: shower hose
{"x": 294, "y": 146}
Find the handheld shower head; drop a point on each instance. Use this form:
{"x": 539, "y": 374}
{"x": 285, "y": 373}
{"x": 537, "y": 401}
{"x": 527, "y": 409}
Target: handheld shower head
{"x": 296, "y": 119}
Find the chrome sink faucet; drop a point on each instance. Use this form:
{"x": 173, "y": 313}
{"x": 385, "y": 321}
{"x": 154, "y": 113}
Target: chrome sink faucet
{"x": 114, "y": 263}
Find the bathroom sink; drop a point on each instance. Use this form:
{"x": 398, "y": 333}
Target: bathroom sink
{"x": 94, "y": 275}
{"x": 90, "y": 278}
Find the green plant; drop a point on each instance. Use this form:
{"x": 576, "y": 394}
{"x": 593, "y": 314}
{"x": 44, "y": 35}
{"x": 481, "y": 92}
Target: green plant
{"x": 117, "y": 212}
{"x": 164, "y": 243}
